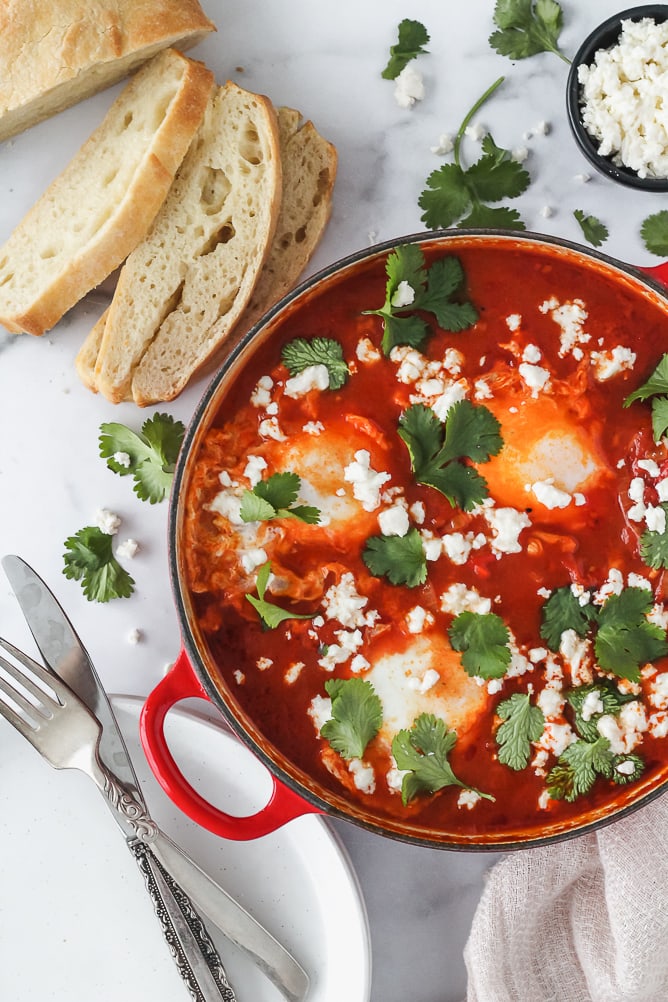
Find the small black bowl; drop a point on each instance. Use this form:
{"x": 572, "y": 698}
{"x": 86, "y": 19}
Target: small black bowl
{"x": 604, "y": 37}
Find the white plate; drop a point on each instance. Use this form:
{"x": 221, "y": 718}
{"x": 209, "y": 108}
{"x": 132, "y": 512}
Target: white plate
{"x": 76, "y": 922}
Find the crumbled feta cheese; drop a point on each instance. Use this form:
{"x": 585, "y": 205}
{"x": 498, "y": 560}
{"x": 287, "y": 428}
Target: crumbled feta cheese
{"x": 623, "y": 98}
{"x": 366, "y": 482}
{"x": 252, "y": 557}
{"x": 458, "y": 598}
{"x": 475, "y": 132}
{"x": 269, "y": 428}
{"x": 366, "y": 351}
{"x": 591, "y": 705}
{"x": 444, "y": 146}
{"x": 610, "y": 363}
{"x": 404, "y": 295}
{"x": 263, "y": 663}
{"x": 293, "y": 672}
{"x": 418, "y": 511}
{"x": 261, "y": 395}
{"x": 239, "y": 677}
{"x": 549, "y": 496}
{"x": 363, "y": 775}
{"x": 519, "y": 154}
{"x": 313, "y": 377}
{"x": 134, "y": 636}
{"x": 427, "y": 682}
{"x": 349, "y": 642}
{"x": 320, "y": 711}
{"x": 506, "y": 525}
{"x": 408, "y": 87}
{"x": 513, "y": 322}
{"x": 394, "y": 521}
{"x": 107, "y": 521}
{"x": 313, "y": 428}
{"x": 128, "y": 548}
{"x": 468, "y": 799}
{"x": 535, "y": 376}
{"x": 418, "y": 618}
{"x": 122, "y": 458}
{"x": 658, "y": 691}
{"x": 570, "y": 317}
{"x": 359, "y": 664}
{"x": 343, "y": 603}
{"x": 255, "y": 466}
{"x": 532, "y": 353}
{"x": 551, "y": 702}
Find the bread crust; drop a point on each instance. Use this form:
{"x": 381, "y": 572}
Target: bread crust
{"x": 54, "y": 53}
{"x": 125, "y": 215}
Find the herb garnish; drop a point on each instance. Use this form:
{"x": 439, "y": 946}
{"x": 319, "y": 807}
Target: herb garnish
{"x": 429, "y": 289}
{"x": 275, "y": 498}
{"x": 357, "y": 715}
{"x": 612, "y": 700}
{"x": 270, "y": 614}
{"x": 593, "y": 230}
{"x": 654, "y": 231}
{"x": 150, "y": 456}
{"x": 89, "y": 558}
{"x": 654, "y": 544}
{"x": 423, "y": 751}
{"x": 454, "y": 191}
{"x": 527, "y": 28}
{"x": 656, "y": 387}
{"x": 624, "y": 637}
{"x": 578, "y": 767}
{"x": 522, "y": 724}
{"x": 413, "y": 37}
{"x": 482, "y": 639}
{"x": 436, "y": 451}
{"x": 401, "y": 559}
{"x": 301, "y": 353}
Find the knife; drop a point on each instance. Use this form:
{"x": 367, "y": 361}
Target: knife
{"x": 65, "y": 654}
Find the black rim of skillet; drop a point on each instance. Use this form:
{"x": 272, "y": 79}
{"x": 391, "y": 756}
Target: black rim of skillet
{"x": 603, "y": 37}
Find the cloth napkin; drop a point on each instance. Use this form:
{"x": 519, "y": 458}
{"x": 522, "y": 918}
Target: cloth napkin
{"x": 579, "y": 921}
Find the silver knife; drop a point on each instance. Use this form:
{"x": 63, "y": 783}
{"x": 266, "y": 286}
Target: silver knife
{"x": 65, "y": 654}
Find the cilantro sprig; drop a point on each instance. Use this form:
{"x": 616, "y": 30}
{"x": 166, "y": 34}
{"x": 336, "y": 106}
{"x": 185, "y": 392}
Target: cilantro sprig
{"x": 401, "y": 559}
{"x": 429, "y": 289}
{"x": 522, "y": 723}
{"x": 437, "y": 451}
{"x": 593, "y": 230}
{"x": 482, "y": 639}
{"x": 423, "y": 753}
{"x": 149, "y": 456}
{"x": 270, "y": 614}
{"x": 624, "y": 639}
{"x": 301, "y": 353}
{"x": 413, "y": 37}
{"x": 656, "y": 388}
{"x": 611, "y": 701}
{"x": 453, "y": 191}
{"x": 357, "y": 714}
{"x": 654, "y": 544}
{"x": 525, "y": 28}
{"x": 578, "y": 767}
{"x": 89, "y": 558}
{"x": 654, "y": 232}
{"x": 275, "y": 498}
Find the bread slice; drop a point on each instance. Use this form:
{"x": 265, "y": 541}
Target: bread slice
{"x": 189, "y": 280}
{"x": 308, "y": 170}
{"x": 94, "y": 213}
{"x": 57, "y": 52}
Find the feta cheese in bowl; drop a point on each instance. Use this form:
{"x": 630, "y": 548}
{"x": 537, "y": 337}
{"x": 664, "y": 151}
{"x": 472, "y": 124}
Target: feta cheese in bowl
{"x": 616, "y": 97}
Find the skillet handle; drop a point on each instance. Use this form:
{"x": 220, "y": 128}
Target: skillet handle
{"x": 182, "y": 683}
{"x": 659, "y": 272}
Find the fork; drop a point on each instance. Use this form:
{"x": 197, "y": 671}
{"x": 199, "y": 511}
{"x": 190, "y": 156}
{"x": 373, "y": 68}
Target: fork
{"x": 62, "y": 728}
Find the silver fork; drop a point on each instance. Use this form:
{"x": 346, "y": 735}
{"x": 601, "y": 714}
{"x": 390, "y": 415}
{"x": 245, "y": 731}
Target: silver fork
{"x": 64, "y": 731}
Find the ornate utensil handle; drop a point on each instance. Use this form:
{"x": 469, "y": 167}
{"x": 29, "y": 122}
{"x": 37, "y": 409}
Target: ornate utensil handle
{"x": 191, "y": 946}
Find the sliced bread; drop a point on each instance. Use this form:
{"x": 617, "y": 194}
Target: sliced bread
{"x": 308, "y": 171}
{"x": 189, "y": 280}
{"x": 56, "y": 53}
{"x": 96, "y": 211}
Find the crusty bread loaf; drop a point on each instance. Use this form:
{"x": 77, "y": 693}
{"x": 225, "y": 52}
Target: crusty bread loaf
{"x": 95, "y": 212}
{"x": 189, "y": 280}
{"x": 54, "y": 53}
{"x": 308, "y": 171}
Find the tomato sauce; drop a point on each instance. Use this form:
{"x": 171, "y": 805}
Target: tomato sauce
{"x": 559, "y": 344}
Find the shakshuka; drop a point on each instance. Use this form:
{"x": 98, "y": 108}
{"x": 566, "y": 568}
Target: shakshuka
{"x": 425, "y": 536}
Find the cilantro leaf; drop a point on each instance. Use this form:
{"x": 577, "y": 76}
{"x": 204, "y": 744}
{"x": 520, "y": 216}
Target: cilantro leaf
{"x": 423, "y": 752}
{"x": 526, "y": 28}
{"x": 654, "y": 545}
{"x": 593, "y": 230}
{"x": 150, "y": 456}
{"x": 470, "y": 432}
{"x": 563, "y": 611}
{"x": 357, "y": 714}
{"x": 522, "y": 724}
{"x": 611, "y": 699}
{"x": 626, "y": 639}
{"x": 275, "y": 498}
{"x": 413, "y": 37}
{"x": 301, "y": 353}
{"x": 482, "y": 639}
{"x": 401, "y": 559}
{"x": 270, "y": 614}
{"x": 89, "y": 558}
{"x": 620, "y": 772}
{"x": 430, "y": 290}
{"x": 657, "y": 383}
{"x": 654, "y": 232}
{"x": 578, "y": 767}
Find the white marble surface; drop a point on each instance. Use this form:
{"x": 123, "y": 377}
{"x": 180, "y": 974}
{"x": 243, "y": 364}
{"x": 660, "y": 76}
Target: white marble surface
{"x": 325, "y": 60}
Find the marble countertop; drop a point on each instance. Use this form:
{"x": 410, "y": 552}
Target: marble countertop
{"x": 326, "y": 61}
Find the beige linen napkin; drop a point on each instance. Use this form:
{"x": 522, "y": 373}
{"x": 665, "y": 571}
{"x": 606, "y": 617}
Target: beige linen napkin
{"x": 579, "y": 921}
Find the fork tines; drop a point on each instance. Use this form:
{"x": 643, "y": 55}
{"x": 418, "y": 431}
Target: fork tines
{"x": 38, "y": 689}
